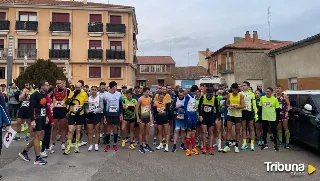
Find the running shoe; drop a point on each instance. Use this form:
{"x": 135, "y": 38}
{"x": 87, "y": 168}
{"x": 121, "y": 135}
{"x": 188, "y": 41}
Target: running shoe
{"x": 286, "y": 145}
{"x": 136, "y": 143}
{"x": 195, "y": 151}
{"x": 154, "y": 141}
{"x": 58, "y": 138}
{"x": 132, "y": 147}
{"x": 67, "y": 151}
{"x": 220, "y": 149}
{"x": 188, "y": 152}
{"x": 276, "y": 148}
{"x": 211, "y": 151}
{"x": 174, "y": 149}
{"x": 82, "y": 143}
{"x": 40, "y": 161}
{"x": 141, "y": 150}
{"x": 115, "y": 148}
{"x": 226, "y": 149}
{"x": 127, "y": 140}
{"x": 236, "y": 149}
{"x": 148, "y": 149}
{"x": 159, "y": 147}
{"x": 24, "y": 156}
{"x": 51, "y": 148}
{"x": 76, "y": 149}
{"x": 252, "y": 148}
{"x": 182, "y": 146}
{"x": 259, "y": 143}
{"x": 44, "y": 154}
{"x": 27, "y": 138}
{"x": 96, "y": 147}
{"x": 166, "y": 149}
{"x": 263, "y": 147}
{"x": 244, "y": 147}
{"x": 90, "y": 147}
{"x": 16, "y": 138}
{"x": 106, "y": 149}
{"x": 204, "y": 150}
{"x": 63, "y": 146}
{"x": 123, "y": 143}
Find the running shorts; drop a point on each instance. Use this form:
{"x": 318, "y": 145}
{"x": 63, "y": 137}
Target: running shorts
{"x": 234, "y": 119}
{"x": 130, "y": 120}
{"x": 76, "y": 120}
{"x": 247, "y": 115}
{"x": 25, "y": 113}
{"x": 94, "y": 118}
{"x": 179, "y": 124}
{"x": 40, "y": 124}
{"x": 161, "y": 120}
{"x": 191, "y": 121}
{"x": 208, "y": 121}
{"x": 113, "y": 120}
{"x": 59, "y": 113}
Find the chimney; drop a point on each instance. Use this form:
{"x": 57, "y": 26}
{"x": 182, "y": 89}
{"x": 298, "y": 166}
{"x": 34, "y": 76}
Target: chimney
{"x": 84, "y": 1}
{"x": 255, "y": 36}
{"x": 247, "y": 36}
{"x": 207, "y": 52}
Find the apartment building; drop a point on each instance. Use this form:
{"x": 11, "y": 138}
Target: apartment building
{"x": 93, "y": 42}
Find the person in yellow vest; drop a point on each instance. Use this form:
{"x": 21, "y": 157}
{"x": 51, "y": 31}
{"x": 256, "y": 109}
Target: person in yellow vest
{"x": 235, "y": 104}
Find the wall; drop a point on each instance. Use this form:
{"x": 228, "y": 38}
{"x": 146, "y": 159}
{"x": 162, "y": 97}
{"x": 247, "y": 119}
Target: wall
{"x": 254, "y": 65}
{"x": 301, "y": 63}
{"x": 202, "y": 60}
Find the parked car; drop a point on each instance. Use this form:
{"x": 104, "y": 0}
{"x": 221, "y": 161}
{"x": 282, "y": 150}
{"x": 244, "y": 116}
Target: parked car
{"x": 304, "y": 116}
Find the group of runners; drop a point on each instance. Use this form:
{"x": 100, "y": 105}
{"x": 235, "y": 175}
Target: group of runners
{"x": 191, "y": 117}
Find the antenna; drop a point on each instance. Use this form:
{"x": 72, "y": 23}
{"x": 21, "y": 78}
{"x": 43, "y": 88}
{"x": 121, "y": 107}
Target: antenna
{"x": 269, "y": 15}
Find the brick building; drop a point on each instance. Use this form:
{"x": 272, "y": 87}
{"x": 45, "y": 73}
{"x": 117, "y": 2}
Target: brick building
{"x": 155, "y": 70}
{"x": 297, "y": 65}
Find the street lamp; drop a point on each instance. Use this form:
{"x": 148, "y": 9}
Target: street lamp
{"x": 25, "y": 62}
{"x": 10, "y": 59}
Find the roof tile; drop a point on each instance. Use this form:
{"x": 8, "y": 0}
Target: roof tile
{"x": 150, "y": 60}
{"x": 190, "y": 73}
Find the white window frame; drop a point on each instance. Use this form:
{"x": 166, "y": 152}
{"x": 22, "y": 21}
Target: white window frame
{"x": 293, "y": 83}
{"x": 154, "y": 67}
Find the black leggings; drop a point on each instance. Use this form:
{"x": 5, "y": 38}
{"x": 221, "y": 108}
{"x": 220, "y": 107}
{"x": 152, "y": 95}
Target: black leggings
{"x": 265, "y": 125}
{"x": 46, "y": 138}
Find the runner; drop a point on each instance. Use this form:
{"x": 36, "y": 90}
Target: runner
{"x": 170, "y": 112}
{"x": 270, "y": 110}
{"x": 284, "y": 104}
{"x": 235, "y": 103}
{"x": 143, "y": 114}
{"x": 129, "y": 105}
{"x": 25, "y": 112}
{"x": 259, "y": 121}
{"x": 103, "y": 128}
{"x": 249, "y": 113}
{"x": 113, "y": 114}
{"x": 190, "y": 109}
{"x": 208, "y": 106}
{"x": 219, "y": 120}
{"x": 59, "y": 97}
{"x": 76, "y": 103}
{"x": 94, "y": 113}
{"x": 178, "y": 108}
{"x": 161, "y": 111}
{"x": 38, "y": 105}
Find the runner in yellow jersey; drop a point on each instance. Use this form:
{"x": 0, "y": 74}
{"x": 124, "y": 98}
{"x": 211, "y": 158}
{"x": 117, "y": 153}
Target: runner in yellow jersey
{"x": 235, "y": 104}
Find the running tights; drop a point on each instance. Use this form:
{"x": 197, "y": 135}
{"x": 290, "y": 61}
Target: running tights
{"x": 265, "y": 125}
{"x": 46, "y": 138}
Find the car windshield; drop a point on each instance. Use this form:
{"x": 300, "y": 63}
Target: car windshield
{"x": 316, "y": 100}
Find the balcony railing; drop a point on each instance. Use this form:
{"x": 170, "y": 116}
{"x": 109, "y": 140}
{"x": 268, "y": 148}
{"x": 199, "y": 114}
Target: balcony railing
{"x": 30, "y": 53}
{"x": 95, "y": 27}
{"x": 60, "y": 26}
{"x": 116, "y": 28}
{"x": 95, "y": 53}
{"x": 116, "y": 54}
{"x": 224, "y": 69}
{"x": 59, "y": 54}
{"x": 4, "y": 25}
{"x": 3, "y": 53}
{"x": 27, "y": 25}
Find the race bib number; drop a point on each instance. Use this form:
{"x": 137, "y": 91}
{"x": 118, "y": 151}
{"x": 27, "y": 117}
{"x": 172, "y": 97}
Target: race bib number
{"x": 280, "y": 105}
{"x": 25, "y": 103}
{"x": 76, "y": 108}
{"x": 7, "y": 139}
{"x": 59, "y": 104}
{"x": 43, "y": 112}
{"x": 180, "y": 116}
{"x": 92, "y": 107}
{"x": 113, "y": 109}
{"x": 267, "y": 104}
{"x": 222, "y": 115}
{"x": 160, "y": 110}
{"x": 192, "y": 108}
{"x": 146, "y": 109}
{"x": 247, "y": 106}
{"x": 207, "y": 109}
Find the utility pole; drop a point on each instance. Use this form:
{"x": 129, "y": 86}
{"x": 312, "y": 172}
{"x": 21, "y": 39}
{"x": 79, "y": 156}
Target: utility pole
{"x": 269, "y": 15}
{"x": 10, "y": 59}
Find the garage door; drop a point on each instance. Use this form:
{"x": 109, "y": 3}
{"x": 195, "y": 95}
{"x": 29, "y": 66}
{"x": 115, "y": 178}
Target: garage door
{"x": 254, "y": 83}
{"x": 187, "y": 84}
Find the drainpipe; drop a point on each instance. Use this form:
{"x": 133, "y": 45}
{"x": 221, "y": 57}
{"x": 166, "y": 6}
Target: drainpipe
{"x": 127, "y": 75}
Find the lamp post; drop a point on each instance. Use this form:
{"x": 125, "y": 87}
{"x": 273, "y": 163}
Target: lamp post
{"x": 25, "y": 62}
{"x": 10, "y": 59}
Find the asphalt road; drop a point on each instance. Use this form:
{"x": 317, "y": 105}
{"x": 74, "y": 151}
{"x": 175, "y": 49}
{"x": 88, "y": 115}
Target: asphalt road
{"x": 131, "y": 165}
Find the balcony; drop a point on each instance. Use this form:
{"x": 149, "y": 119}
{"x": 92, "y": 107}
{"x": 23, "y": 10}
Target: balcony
{"x": 59, "y": 54}
{"x": 3, "y": 55}
{"x": 95, "y": 29}
{"x": 95, "y": 54}
{"x": 4, "y": 27}
{"x": 25, "y": 54}
{"x": 60, "y": 28}
{"x": 28, "y": 28}
{"x": 224, "y": 70}
{"x": 115, "y": 56}
{"x": 116, "y": 30}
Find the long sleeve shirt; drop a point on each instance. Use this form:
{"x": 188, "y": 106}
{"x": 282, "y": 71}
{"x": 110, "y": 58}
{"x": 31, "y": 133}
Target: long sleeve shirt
{"x": 49, "y": 109}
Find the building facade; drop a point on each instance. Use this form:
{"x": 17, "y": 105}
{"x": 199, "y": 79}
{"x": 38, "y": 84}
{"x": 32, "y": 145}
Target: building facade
{"x": 93, "y": 42}
{"x": 297, "y": 65}
{"x": 155, "y": 70}
{"x": 202, "y": 58}
{"x": 185, "y": 77}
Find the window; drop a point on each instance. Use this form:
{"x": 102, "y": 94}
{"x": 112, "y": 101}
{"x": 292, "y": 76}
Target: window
{"x": 228, "y": 61}
{"x": 115, "y": 72}
{"x": 60, "y": 44}
{"x": 161, "y": 82}
{"x": 2, "y": 16}
{"x": 27, "y": 16}
{"x": 26, "y": 47}
{"x": 115, "y": 19}
{"x": 142, "y": 83}
{"x": 116, "y": 45}
{"x": 293, "y": 83}
{"x": 1, "y": 44}
{"x": 96, "y": 18}
{"x": 153, "y": 68}
{"x": 94, "y": 72}
{"x": 2, "y": 73}
{"x": 95, "y": 44}
{"x": 60, "y": 17}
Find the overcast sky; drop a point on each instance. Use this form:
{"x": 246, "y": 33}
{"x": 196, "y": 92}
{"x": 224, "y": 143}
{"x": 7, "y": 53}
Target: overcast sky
{"x": 188, "y": 26}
